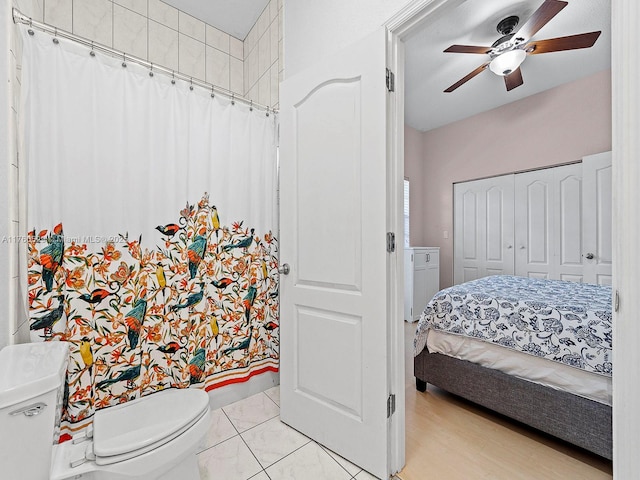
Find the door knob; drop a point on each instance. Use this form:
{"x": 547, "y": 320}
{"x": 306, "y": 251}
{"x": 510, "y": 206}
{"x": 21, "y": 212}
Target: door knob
{"x": 284, "y": 269}
{"x": 590, "y": 256}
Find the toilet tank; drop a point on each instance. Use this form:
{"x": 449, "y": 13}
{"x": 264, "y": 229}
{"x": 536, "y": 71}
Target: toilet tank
{"x": 32, "y": 378}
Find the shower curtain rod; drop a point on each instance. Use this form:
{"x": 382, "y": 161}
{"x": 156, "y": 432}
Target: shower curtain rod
{"x": 19, "y": 17}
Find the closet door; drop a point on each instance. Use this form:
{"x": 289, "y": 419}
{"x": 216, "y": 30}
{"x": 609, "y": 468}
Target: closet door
{"x": 483, "y": 228}
{"x": 548, "y": 223}
{"x": 597, "y": 212}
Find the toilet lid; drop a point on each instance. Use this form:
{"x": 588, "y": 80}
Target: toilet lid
{"x": 134, "y": 427}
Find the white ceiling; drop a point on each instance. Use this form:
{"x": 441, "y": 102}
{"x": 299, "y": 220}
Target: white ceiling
{"x": 235, "y": 17}
{"x": 429, "y": 71}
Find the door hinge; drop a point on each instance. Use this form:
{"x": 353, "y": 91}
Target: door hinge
{"x": 391, "y": 405}
{"x": 391, "y": 242}
{"x": 391, "y": 81}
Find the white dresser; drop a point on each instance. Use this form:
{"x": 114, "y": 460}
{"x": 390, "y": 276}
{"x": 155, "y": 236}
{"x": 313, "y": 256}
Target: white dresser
{"x": 421, "y": 279}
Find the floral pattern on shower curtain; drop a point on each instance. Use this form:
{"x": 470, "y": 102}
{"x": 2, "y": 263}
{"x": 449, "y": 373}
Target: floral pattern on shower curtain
{"x": 198, "y": 308}
{"x": 151, "y": 293}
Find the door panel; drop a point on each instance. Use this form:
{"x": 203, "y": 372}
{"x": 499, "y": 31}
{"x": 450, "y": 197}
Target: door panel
{"x": 548, "y": 216}
{"x": 597, "y": 206}
{"x": 568, "y": 252}
{"x": 328, "y": 154}
{"x": 333, "y": 222}
{"x": 533, "y": 224}
{"x": 483, "y": 228}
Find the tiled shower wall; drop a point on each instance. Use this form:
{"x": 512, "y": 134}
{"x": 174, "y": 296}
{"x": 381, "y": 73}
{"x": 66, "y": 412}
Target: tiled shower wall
{"x": 263, "y": 56}
{"x": 161, "y": 34}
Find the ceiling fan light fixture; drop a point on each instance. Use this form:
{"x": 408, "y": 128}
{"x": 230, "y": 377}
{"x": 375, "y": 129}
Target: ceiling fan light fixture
{"x": 507, "y": 62}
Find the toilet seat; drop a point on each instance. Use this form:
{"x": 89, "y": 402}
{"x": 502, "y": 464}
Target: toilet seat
{"x": 134, "y": 428}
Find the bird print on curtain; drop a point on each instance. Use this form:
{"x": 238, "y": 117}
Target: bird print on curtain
{"x": 198, "y": 305}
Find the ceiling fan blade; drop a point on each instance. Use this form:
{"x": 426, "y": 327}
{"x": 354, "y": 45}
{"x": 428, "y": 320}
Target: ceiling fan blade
{"x": 514, "y": 79}
{"x": 467, "y": 78}
{"x": 570, "y": 42}
{"x": 548, "y": 10}
{"x": 467, "y": 49}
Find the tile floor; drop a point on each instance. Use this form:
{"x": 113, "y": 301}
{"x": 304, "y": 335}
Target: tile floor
{"x": 248, "y": 441}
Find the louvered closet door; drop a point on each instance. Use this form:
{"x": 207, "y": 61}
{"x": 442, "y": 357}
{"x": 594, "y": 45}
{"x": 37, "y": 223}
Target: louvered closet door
{"x": 548, "y": 223}
{"x": 483, "y": 228}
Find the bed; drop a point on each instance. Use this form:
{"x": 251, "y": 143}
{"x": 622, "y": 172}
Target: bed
{"x": 538, "y": 351}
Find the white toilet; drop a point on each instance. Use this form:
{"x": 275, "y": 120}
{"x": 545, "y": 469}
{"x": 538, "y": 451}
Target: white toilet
{"x": 151, "y": 438}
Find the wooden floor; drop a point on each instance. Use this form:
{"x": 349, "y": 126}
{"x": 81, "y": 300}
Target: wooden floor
{"x": 448, "y": 438}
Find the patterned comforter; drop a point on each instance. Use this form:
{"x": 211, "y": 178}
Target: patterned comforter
{"x": 566, "y": 322}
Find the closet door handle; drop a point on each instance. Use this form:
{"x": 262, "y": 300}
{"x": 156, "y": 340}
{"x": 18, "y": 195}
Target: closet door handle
{"x": 590, "y": 256}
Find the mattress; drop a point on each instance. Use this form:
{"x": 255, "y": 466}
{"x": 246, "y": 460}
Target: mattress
{"x": 551, "y": 332}
{"x": 535, "y": 369}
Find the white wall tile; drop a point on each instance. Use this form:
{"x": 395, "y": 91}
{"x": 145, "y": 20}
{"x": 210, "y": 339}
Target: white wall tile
{"x": 93, "y": 19}
{"x": 264, "y": 54}
{"x": 251, "y": 40}
{"x": 138, "y": 6}
{"x": 191, "y": 26}
{"x": 275, "y": 85}
{"x": 218, "y": 39}
{"x": 163, "y": 13}
{"x": 236, "y": 76}
{"x": 273, "y": 42}
{"x": 281, "y": 24}
{"x": 264, "y": 89}
{"x": 281, "y": 56}
{"x": 217, "y": 68}
{"x": 252, "y": 69}
{"x": 253, "y": 93}
{"x": 14, "y": 214}
{"x": 129, "y": 31}
{"x": 191, "y": 57}
{"x": 31, "y": 8}
{"x": 38, "y": 13}
{"x": 263, "y": 22}
{"x": 163, "y": 45}
{"x": 236, "y": 48}
{"x": 21, "y": 335}
{"x": 59, "y": 13}
{"x": 273, "y": 10}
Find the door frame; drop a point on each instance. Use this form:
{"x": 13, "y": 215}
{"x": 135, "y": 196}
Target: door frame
{"x": 625, "y": 69}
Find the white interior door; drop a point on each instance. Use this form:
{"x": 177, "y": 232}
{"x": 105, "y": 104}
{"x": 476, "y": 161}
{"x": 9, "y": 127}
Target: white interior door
{"x": 533, "y": 223}
{"x": 548, "y": 223}
{"x": 483, "y": 228}
{"x": 333, "y": 197}
{"x": 597, "y": 213}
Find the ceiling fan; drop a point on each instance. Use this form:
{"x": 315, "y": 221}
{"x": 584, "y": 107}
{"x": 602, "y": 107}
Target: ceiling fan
{"x": 509, "y": 51}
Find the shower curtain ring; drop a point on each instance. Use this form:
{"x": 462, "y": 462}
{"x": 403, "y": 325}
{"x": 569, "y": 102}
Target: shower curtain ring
{"x": 92, "y": 53}
{"x": 30, "y": 30}
{"x": 191, "y": 86}
{"x": 251, "y": 106}
{"x": 124, "y": 60}
{"x": 55, "y": 38}
{"x": 233, "y": 99}
{"x": 212, "y": 93}
{"x": 267, "y": 111}
{"x": 151, "y": 70}
{"x": 173, "y": 78}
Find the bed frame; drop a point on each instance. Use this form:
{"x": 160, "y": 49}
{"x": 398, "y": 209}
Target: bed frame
{"x": 555, "y": 412}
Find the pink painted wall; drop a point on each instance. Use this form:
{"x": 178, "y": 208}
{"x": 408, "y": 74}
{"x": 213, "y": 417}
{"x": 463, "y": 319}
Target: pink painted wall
{"x": 553, "y": 127}
{"x": 414, "y": 171}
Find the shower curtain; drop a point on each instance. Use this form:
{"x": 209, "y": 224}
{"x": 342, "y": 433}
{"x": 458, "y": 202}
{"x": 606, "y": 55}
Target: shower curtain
{"x": 151, "y": 210}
